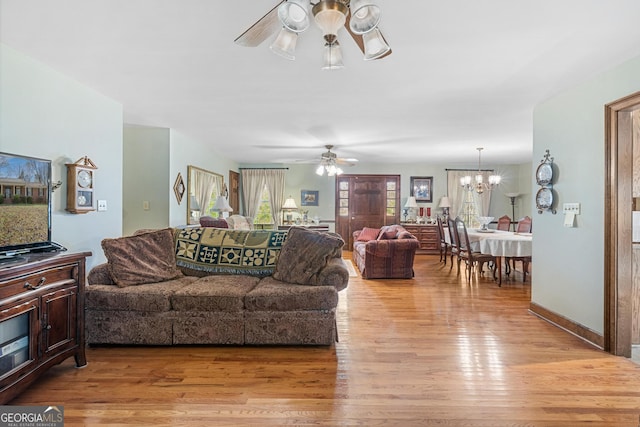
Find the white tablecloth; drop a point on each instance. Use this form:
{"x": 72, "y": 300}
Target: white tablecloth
{"x": 501, "y": 243}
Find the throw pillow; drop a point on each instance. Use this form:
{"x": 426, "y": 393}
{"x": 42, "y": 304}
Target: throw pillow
{"x": 389, "y": 232}
{"x": 304, "y": 253}
{"x": 404, "y": 235}
{"x": 142, "y": 258}
{"x": 368, "y": 234}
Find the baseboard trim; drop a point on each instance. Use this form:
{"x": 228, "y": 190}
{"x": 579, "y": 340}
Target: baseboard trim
{"x": 580, "y": 331}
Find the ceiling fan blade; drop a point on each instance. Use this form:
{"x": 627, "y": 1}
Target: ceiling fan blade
{"x": 356, "y": 37}
{"x": 360, "y": 41}
{"x": 261, "y": 30}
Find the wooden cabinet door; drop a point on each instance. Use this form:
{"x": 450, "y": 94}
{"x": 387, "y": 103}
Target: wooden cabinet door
{"x": 59, "y": 321}
{"x": 365, "y": 201}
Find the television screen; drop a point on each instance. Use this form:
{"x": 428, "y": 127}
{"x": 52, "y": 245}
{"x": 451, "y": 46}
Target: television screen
{"x": 25, "y": 213}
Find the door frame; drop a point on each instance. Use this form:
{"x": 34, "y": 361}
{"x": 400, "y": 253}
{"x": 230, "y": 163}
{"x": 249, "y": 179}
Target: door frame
{"x": 618, "y": 249}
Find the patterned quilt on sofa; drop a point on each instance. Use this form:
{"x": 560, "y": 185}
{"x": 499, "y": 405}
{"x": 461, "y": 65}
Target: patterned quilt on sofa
{"x": 226, "y": 251}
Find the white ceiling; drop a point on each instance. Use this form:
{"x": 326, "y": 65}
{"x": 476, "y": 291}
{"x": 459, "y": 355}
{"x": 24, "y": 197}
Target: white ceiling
{"x": 463, "y": 74}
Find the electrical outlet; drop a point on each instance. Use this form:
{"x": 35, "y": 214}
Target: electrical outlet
{"x": 573, "y": 208}
{"x": 102, "y": 205}
{"x": 145, "y": 205}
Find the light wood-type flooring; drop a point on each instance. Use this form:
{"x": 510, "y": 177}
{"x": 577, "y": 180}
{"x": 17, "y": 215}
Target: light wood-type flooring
{"x": 430, "y": 351}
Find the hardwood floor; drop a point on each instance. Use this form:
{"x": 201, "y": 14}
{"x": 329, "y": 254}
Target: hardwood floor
{"x": 427, "y": 351}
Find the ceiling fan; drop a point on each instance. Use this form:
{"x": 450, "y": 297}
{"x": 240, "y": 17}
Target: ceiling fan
{"x": 329, "y": 162}
{"x": 291, "y": 17}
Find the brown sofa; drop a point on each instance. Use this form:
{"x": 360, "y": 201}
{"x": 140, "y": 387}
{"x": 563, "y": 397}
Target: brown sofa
{"x": 385, "y": 253}
{"x": 166, "y": 287}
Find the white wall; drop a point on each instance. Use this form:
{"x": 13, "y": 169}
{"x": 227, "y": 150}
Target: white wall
{"x": 46, "y": 114}
{"x": 145, "y": 174}
{"x": 515, "y": 178}
{"x": 569, "y": 262}
{"x": 186, "y": 151}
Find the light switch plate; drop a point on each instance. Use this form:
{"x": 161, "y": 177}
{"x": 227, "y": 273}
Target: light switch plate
{"x": 573, "y": 208}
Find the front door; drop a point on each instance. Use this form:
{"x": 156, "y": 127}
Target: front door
{"x": 366, "y": 201}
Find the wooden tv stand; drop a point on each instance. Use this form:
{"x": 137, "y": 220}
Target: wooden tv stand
{"x": 41, "y": 317}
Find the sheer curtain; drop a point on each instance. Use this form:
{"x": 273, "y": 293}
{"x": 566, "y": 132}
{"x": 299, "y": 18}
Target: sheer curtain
{"x": 253, "y": 181}
{"x": 275, "y": 185}
{"x": 468, "y": 205}
{"x": 204, "y": 185}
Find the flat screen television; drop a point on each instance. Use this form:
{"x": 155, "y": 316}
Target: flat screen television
{"x": 25, "y": 206}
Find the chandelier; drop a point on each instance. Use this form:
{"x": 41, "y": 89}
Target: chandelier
{"x": 360, "y": 17}
{"x": 479, "y": 185}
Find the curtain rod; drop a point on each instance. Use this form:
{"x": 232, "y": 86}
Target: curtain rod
{"x": 473, "y": 170}
{"x": 261, "y": 168}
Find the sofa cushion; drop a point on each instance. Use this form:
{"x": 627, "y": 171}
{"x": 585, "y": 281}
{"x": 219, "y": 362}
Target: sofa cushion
{"x": 368, "y": 234}
{"x": 144, "y": 298}
{"x": 220, "y": 251}
{"x": 214, "y": 293}
{"x": 142, "y": 258}
{"x": 274, "y": 295}
{"x": 304, "y": 253}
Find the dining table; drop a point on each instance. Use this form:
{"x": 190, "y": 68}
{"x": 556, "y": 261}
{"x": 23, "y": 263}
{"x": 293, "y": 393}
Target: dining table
{"x": 500, "y": 244}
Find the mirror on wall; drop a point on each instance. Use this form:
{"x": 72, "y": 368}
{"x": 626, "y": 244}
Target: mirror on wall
{"x": 204, "y": 187}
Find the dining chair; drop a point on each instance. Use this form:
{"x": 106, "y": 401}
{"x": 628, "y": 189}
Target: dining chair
{"x": 524, "y": 226}
{"x": 454, "y": 242}
{"x": 472, "y": 259}
{"x": 444, "y": 246}
{"x": 504, "y": 223}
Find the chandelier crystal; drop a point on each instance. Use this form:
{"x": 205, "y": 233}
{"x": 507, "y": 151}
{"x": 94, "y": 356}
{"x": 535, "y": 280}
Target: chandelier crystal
{"x": 478, "y": 182}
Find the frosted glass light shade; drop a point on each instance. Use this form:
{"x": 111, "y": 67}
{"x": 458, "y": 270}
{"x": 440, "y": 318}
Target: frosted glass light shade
{"x": 285, "y": 44}
{"x": 374, "y": 45}
{"x": 294, "y": 15}
{"x": 365, "y": 16}
{"x": 330, "y": 16}
{"x": 332, "y": 57}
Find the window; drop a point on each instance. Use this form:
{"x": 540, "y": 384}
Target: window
{"x": 263, "y": 216}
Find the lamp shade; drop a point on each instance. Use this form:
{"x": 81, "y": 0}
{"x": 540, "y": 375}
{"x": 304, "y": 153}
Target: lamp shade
{"x": 285, "y": 44}
{"x": 375, "y": 45}
{"x": 512, "y": 194}
{"x": 332, "y": 56}
{"x": 444, "y": 202}
{"x": 289, "y": 204}
{"x": 365, "y": 15}
{"x": 330, "y": 16}
{"x": 294, "y": 15}
{"x": 222, "y": 205}
{"x": 411, "y": 202}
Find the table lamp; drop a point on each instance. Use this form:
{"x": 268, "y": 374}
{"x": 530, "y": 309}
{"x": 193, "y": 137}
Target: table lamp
{"x": 445, "y": 205}
{"x": 411, "y": 204}
{"x": 289, "y": 205}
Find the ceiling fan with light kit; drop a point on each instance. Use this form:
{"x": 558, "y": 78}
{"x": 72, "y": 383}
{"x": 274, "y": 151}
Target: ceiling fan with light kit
{"x": 330, "y": 163}
{"x": 292, "y": 17}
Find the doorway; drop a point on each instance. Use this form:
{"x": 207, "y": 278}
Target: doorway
{"x": 622, "y": 132}
{"x": 366, "y": 201}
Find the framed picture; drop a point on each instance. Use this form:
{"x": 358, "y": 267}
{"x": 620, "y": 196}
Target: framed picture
{"x": 422, "y": 188}
{"x": 178, "y": 188}
{"x": 308, "y": 198}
